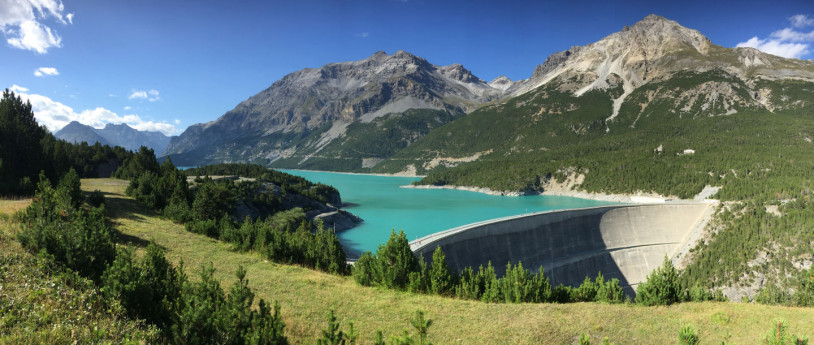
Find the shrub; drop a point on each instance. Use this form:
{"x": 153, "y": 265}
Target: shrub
{"x": 440, "y": 276}
{"x": 661, "y": 287}
{"x": 208, "y": 316}
{"x": 149, "y": 289}
{"x": 697, "y": 293}
{"x": 74, "y": 237}
{"x": 396, "y": 261}
{"x": 779, "y": 336}
{"x": 585, "y": 292}
{"x": 206, "y": 227}
{"x": 178, "y": 211}
{"x": 687, "y": 336}
{"x": 71, "y": 185}
{"x": 364, "y": 269}
{"x": 608, "y": 291}
{"x": 96, "y": 198}
{"x": 335, "y": 336}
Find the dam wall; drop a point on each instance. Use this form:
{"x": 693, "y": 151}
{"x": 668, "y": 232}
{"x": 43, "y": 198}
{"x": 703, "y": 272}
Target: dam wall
{"x": 626, "y": 242}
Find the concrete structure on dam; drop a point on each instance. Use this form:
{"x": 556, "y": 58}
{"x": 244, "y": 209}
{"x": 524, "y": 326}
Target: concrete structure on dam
{"x": 626, "y": 242}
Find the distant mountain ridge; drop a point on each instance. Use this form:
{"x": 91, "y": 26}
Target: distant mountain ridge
{"x": 308, "y": 109}
{"x": 378, "y": 114}
{"x": 114, "y": 135}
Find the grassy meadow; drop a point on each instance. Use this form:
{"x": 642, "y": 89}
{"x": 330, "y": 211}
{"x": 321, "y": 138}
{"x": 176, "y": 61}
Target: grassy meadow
{"x": 306, "y": 295}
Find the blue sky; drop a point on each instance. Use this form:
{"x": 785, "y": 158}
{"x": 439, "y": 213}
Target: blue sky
{"x": 165, "y": 65}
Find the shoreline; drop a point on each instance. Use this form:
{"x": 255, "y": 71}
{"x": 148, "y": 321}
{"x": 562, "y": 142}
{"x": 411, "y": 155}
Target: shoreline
{"x": 355, "y": 173}
{"x": 640, "y": 198}
{"x": 553, "y": 190}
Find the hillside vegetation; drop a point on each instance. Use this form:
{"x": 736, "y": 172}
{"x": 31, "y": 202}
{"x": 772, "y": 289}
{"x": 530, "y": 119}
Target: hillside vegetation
{"x": 305, "y": 295}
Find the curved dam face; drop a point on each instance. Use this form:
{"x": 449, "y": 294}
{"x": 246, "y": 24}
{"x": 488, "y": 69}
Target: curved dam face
{"x": 626, "y": 242}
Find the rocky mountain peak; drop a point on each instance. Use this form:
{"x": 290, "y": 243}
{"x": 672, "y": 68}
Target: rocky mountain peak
{"x": 457, "y": 72}
{"x": 655, "y": 30}
{"x": 635, "y": 46}
{"x": 501, "y": 83}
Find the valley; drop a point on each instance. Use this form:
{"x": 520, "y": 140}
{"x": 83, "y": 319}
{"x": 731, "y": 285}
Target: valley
{"x": 644, "y": 185}
{"x": 656, "y": 109}
{"x": 305, "y": 294}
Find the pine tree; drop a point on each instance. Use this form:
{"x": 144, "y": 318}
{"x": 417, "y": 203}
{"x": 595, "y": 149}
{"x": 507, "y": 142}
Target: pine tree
{"x": 662, "y": 286}
{"x": 421, "y": 326}
{"x": 440, "y": 276}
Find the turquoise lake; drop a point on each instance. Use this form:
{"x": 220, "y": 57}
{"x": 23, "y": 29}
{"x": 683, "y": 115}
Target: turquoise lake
{"x": 385, "y": 206}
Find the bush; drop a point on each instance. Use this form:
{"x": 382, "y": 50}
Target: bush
{"x": 687, "y": 336}
{"x": 805, "y": 294}
{"x": 364, "y": 269}
{"x": 440, "y": 276}
{"x": 178, "y": 211}
{"x": 208, "y": 316}
{"x": 333, "y": 335}
{"x": 661, "y": 287}
{"x": 779, "y": 336}
{"x": 206, "y": 227}
{"x": 697, "y": 293}
{"x": 74, "y": 237}
{"x": 96, "y": 198}
{"x": 149, "y": 289}
{"x": 396, "y": 261}
{"x": 71, "y": 185}
{"x": 608, "y": 291}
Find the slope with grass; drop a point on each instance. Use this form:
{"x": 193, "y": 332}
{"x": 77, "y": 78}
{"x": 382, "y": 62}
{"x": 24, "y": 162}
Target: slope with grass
{"x": 42, "y": 303}
{"x": 305, "y": 295}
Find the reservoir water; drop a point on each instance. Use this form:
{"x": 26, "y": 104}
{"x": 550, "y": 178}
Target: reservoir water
{"x": 385, "y": 206}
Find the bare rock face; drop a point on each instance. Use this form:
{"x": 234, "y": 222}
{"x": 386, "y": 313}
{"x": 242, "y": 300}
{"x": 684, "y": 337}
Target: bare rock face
{"x": 631, "y": 54}
{"x": 501, "y": 83}
{"x": 655, "y": 49}
{"x": 336, "y": 94}
{"x": 306, "y": 110}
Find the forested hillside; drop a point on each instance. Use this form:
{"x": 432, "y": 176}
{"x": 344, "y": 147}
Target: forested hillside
{"x": 26, "y": 148}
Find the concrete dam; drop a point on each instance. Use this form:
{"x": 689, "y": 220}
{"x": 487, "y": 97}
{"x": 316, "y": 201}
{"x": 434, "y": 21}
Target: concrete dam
{"x": 626, "y": 242}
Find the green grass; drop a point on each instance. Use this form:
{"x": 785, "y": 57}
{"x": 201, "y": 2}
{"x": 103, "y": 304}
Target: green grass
{"x": 306, "y": 295}
{"x": 41, "y": 304}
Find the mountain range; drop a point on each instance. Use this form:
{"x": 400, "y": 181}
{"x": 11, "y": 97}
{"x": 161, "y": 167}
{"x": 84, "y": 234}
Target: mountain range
{"x": 401, "y": 114}
{"x": 656, "y": 108}
{"x": 114, "y": 135}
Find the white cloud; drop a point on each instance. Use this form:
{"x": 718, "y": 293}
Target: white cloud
{"x": 787, "y": 42}
{"x": 45, "y": 71}
{"x": 801, "y": 21}
{"x": 127, "y": 107}
{"x": 777, "y": 47}
{"x": 363, "y": 34}
{"x": 177, "y": 121}
{"x": 151, "y": 95}
{"x": 17, "y": 88}
{"x": 54, "y": 115}
{"x": 789, "y": 34}
{"x": 137, "y": 94}
{"x": 20, "y": 22}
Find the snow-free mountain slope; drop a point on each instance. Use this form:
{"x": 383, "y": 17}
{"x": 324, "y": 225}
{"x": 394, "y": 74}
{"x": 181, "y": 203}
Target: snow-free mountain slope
{"x": 308, "y": 109}
{"x": 373, "y": 114}
{"x": 114, "y": 135}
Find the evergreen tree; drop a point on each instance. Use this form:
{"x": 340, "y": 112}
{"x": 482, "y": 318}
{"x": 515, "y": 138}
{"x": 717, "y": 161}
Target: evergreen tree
{"x": 421, "y": 326}
{"x": 440, "y": 276}
{"x": 395, "y": 261}
{"x": 21, "y": 152}
{"x": 662, "y": 286}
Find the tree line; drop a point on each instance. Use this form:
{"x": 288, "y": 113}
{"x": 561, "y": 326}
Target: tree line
{"x": 282, "y": 234}
{"x": 394, "y": 266}
{"x": 26, "y": 149}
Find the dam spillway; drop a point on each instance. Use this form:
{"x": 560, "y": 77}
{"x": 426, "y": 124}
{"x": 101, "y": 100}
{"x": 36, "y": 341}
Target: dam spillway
{"x": 626, "y": 242}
